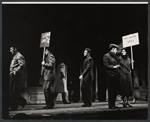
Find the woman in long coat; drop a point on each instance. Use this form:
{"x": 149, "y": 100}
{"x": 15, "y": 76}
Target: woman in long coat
{"x": 126, "y": 88}
{"x": 60, "y": 84}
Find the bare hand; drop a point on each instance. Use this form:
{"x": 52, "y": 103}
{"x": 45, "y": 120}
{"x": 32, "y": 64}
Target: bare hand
{"x": 80, "y": 77}
{"x": 43, "y": 62}
{"x": 14, "y": 72}
{"x": 132, "y": 61}
{"x": 116, "y": 66}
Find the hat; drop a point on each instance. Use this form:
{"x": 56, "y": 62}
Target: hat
{"x": 49, "y": 49}
{"x": 88, "y": 49}
{"x": 113, "y": 45}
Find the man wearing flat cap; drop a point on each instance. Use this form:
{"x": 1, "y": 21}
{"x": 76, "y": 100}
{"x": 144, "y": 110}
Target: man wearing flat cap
{"x": 111, "y": 64}
{"x": 87, "y": 78}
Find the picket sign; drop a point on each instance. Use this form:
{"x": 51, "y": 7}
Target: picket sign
{"x": 129, "y": 41}
{"x": 45, "y": 42}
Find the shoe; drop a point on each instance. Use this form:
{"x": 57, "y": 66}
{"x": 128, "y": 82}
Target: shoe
{"x": 124, "y": 105}
{"x": 12, "y": 109}
{"x": 121, "y": 102}
{"x": 134, "y": 101}
{"x": 129, "y": 105}
{"x": 46, "y": 107}
{"x": 114, "y": 107}
{"x": 21, "y": 107}
{"x": 50, "y": 107}
{"x": 67, "y": 102}
{"x": 84, "y": 105}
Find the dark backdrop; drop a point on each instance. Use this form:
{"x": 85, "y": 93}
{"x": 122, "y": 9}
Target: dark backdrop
{"x": 73, "y": 27}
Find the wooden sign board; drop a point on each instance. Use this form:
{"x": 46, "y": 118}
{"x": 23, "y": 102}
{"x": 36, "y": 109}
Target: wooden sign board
{"x": 130, "y": 40}
{"x": 45, "y": 39}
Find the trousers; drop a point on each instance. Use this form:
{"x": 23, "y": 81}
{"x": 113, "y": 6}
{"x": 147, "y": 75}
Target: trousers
{"x": 86, "y": 90}
{"x": 15, "y": 96}
{"x": 48, "y": 93}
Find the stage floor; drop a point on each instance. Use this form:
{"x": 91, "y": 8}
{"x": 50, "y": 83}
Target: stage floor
{"x": 75, "y": 111}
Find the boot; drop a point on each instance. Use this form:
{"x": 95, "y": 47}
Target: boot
{"x": 65, "y": 98}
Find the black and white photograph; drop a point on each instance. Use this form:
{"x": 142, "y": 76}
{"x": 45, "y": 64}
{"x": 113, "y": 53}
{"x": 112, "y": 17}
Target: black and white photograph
{"x": 74, "y": 61}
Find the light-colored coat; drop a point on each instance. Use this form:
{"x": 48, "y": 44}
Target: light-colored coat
{"x": 60, "y": 84}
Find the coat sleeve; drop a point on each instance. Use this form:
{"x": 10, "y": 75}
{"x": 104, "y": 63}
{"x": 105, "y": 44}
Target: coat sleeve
{"x": 50, "y": 63}
{"x": 88, "y": 67}
{"x": 106, "y": 62}
{"x": 21, "y": 63}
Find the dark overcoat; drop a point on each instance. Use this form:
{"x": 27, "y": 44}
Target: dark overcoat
{"x": 88, "y": 70}
{"x": 112, "y": 78}
{"x": 109, "y": 63}
{"x": 61, "y": 78}
{"x": 125, "y": 88}
{"x": 49, "y": 68}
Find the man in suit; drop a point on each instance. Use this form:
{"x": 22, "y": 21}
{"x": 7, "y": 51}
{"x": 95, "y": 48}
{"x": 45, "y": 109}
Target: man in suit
{"x": 49, "y": 77}
{"x": 111, "y": 64}
{"x": 60, "y": 85}
{"x": 87, "y": 78}
{"x": 17, "y": 68}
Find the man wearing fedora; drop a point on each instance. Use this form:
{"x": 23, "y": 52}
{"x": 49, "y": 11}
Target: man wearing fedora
{"x": 49, "y": 77}
{"x": 87, "y": 78}
{"x": 111, "y": 64}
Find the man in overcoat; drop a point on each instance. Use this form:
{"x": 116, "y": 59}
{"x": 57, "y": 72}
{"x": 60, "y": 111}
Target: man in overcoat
{"x": 49, "y": 77}
{"x": 60, "y": 85}
{"x": 111, "y": 64}
{"x": 17, "y": 69}
{"x": 87, "y": 78}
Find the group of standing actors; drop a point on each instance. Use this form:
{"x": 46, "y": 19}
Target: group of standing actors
{"x": 118, "y": 76}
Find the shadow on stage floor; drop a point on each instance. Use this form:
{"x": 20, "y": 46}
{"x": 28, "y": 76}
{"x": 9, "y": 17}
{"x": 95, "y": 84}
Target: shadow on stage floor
{"x": 74, "y": 111}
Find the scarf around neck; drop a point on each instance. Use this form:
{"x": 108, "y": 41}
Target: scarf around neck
{"x": 114, "y": 56}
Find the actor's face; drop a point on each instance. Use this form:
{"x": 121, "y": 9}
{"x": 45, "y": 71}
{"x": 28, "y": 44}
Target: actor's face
{"x": 46, "y": 51}
{"x": 85, "y": 52}
{"x": 124, "y": 52}
{"x": 115, "y": 50}
{"x": 12, "y": 50}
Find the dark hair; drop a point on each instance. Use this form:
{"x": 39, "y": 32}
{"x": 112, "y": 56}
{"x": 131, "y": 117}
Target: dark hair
{"x": 126, "y": 56}
{"x": 49, "y": 49}
{"x": 88, "y": 49}
{"x": 14, "y": 46}
{"x": 64, "y": 61}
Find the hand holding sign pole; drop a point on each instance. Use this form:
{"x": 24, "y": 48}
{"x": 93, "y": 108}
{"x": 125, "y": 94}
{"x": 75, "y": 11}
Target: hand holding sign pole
{"x": 129, "y": 41}
{"x": 45, "y": 42}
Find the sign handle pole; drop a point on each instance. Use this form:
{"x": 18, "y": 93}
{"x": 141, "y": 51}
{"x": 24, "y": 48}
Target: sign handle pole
{"x": 43, "y": 53}
{"x": 43, "y": 60}
{"x": 132, "y": 57}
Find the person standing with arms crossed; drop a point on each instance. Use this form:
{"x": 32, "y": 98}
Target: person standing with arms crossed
{"x": 87, "y": 78}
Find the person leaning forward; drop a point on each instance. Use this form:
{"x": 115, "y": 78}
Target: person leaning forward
{"x": 111, "y": 64}
{"x": 17, "y": 69}
{"x": 49, "y": 77}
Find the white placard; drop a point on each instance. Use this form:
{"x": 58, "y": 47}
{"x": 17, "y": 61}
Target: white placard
{"x": 130, "y": 40}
